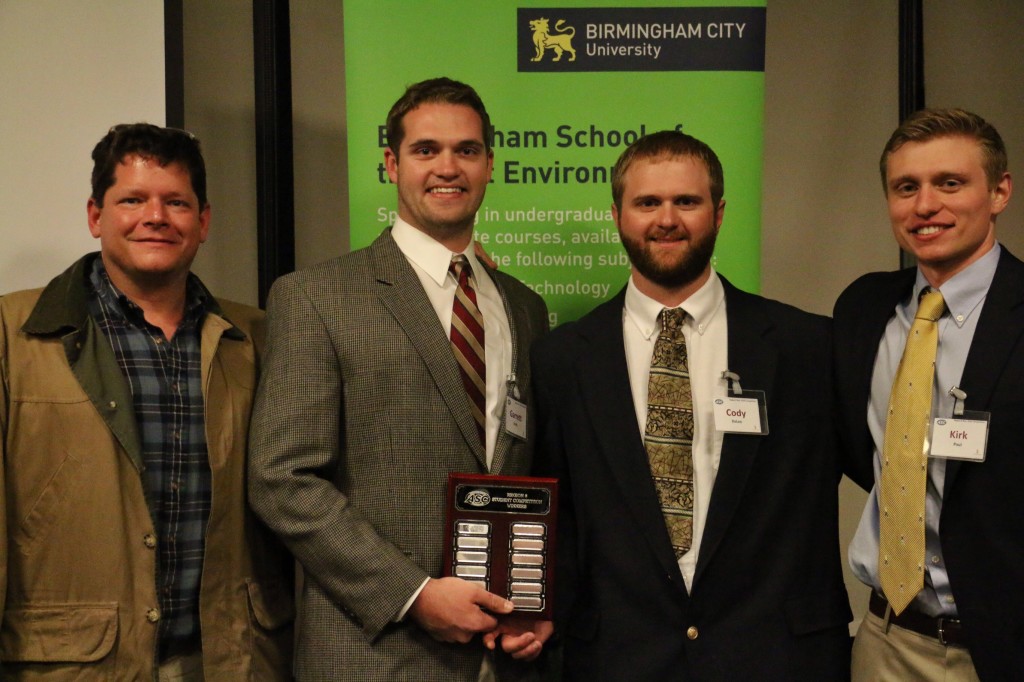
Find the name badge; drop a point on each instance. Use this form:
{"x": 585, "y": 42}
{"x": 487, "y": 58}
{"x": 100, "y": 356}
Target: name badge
{"x": 515, "y": 417}
{"x": 741, "y": 411}
{"x": 963, "y": 437}
{"x": 739, "y": 415}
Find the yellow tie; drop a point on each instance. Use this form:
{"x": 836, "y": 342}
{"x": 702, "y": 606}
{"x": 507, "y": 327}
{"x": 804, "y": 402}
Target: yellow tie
{"x": 901, "y": 494}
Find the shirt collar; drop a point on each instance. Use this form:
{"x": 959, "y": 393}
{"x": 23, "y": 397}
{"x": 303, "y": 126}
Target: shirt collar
{"x": 197, "y": 302}
{"x": 427, "y": 253}
{"x": 701, "y": 306}
{"x": 965, "y": 290}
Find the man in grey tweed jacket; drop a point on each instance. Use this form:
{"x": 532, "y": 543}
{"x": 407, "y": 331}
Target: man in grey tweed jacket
{"x": 361, "y": 414}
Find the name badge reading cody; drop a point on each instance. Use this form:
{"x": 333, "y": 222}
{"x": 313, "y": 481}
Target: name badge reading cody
{"x": 741, "y": 411}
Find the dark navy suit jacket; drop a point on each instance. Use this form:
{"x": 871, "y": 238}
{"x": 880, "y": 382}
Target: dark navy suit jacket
{"x": 982, "y": 523}
{"x": 768, "y": 600}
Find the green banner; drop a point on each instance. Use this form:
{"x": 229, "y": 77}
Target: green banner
{"x": 568, "y": 87}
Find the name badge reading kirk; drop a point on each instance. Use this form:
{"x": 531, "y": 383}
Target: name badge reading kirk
{"x": 500, "y": 534}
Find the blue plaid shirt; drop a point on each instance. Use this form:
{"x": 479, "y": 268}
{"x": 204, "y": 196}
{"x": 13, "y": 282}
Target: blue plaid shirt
{"x": 166, "y": 385}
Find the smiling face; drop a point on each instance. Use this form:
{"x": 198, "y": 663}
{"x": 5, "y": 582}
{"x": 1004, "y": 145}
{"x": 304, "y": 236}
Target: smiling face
{"x": 941, "y": 206}
{"x": 668, "y": 225}
{"x": 150, "y": 225}
{"x": 442, "y": 170}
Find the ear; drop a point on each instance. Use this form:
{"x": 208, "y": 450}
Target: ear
{"x": 615, "y": 214}
{"x": 490, "y": 164}
{"x": 719, "y": 214}
{"x": 391, "y": 164}
{"x": 204, "y": 223}
{"x": 93, "y": 211}
{"x": 1001, "y": 194}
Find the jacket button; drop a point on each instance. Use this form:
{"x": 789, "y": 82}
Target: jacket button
{"x": 691, "y": 632}
{"x": 149, "y": 540}
{"x": 152, "y": 615}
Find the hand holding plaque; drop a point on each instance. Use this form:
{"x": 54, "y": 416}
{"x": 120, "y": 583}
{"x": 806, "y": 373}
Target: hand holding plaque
{"x": 500, "y": 534}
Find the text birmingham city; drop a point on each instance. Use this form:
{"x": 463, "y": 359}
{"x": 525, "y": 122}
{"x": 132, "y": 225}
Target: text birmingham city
{"x": 653, "y": 31}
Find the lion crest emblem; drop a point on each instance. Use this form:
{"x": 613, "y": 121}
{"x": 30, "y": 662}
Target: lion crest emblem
{"x": 560, "y": 42}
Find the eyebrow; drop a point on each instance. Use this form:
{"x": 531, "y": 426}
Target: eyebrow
{"x": 675, "y": 197}
{"x": 434, "y": 143}
{"x": 934, "y": 177}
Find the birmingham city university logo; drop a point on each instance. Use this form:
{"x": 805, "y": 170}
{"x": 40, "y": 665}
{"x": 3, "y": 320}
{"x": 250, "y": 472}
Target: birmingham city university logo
{"x": 477, "y": 498}
{"x": 560, "y": 42}
{"x": 640, "y": 39}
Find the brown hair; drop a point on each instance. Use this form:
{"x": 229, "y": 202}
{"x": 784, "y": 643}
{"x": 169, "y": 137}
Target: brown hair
{"x": 668, "y": 144}
{"x": 435, "y": 90}
{"x": 928, "y": 124}
{"x": 165, "y": 145}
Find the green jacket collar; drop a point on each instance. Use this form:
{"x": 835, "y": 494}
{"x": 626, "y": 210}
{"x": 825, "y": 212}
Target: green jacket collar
{"x": 64, "y": 304}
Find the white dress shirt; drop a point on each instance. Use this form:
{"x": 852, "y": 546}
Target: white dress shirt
{"x": 706, "y": 333}
{"x": 430, "y": 259}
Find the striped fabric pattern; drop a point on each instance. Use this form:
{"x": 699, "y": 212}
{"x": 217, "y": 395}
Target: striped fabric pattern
{"x": 467, "y": 336}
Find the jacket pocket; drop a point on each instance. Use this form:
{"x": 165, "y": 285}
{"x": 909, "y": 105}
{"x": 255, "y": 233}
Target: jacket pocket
{"x": 59, "y": 633}
{"x": 46, "y": 509}
{"x": 272, "y": 604}
{"x": 817, "y": 611}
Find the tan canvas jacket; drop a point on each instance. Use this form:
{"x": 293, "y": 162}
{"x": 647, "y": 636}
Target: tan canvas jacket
{"x": 77, "y": 542}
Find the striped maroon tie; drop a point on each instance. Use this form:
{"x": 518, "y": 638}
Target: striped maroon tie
{"x": 468, "y": 341}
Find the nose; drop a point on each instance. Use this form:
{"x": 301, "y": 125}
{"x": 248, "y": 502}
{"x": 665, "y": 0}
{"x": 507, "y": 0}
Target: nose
{"x": 156, "y": 213}
{"x": 445, "y": 165}
{"x": 665, "y": 216}
{"x": 927, "y": 201}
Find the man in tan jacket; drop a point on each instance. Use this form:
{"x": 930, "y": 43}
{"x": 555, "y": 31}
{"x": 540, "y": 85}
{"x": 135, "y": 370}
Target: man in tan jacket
{"x": 127, "y": 550}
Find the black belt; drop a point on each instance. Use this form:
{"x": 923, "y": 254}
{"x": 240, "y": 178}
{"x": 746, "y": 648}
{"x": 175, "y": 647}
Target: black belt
{"x": 948, "y": 631}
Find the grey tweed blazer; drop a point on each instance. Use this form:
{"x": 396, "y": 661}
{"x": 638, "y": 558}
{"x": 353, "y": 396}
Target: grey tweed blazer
{"x": 359, "y": 417}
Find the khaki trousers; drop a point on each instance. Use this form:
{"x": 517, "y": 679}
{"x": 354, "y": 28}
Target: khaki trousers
{"x": 899, "y": 655}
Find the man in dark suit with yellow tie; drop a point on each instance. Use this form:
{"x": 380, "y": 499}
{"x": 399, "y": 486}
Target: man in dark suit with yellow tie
{"x": 386, "y": 369}
{"x": 941, "y": 540}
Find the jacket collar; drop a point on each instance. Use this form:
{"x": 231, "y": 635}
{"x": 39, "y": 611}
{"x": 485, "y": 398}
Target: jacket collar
{"x": 64, "y": 304}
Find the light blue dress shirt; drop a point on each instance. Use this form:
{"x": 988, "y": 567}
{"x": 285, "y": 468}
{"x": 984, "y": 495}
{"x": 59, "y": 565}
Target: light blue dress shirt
{"x": 964, "y": 294}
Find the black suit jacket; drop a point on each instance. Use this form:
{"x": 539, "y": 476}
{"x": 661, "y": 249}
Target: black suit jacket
{"x": 768, "y": 600}
{"x": 982, "y": 523}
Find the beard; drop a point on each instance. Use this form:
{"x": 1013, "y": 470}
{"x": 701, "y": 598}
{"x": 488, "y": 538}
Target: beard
{"x": 676, "y": 273}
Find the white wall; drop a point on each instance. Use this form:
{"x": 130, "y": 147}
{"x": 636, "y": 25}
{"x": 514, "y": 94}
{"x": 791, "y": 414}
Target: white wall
{"x": 69, "y": 69}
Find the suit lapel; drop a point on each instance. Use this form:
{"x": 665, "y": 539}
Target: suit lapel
{"x": 998, "y": 334}
{"x": 754, "y": 357}
{"x": 604, "y": 378}
{"x": 401, "y": 292}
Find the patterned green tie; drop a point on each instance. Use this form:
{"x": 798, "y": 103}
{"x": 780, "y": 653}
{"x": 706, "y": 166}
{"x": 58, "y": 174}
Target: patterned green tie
{"x": 904, "y": 460}
{"x": 669, "y": 432}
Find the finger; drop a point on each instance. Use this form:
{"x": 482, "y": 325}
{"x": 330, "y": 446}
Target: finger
{"x": 514, "y": 643}
{"x": 528, "y": 653}
{"x": 493, "y": 602}
{"x": 490, "y": 638}
{"x": 490, "y": 623}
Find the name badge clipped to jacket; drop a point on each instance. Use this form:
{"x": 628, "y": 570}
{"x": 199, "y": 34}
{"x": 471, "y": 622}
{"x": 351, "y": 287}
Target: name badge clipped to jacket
{"x": 741, "y": 411}
{"x": 515, "y": 410}
{"x": 962, "y": 436}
